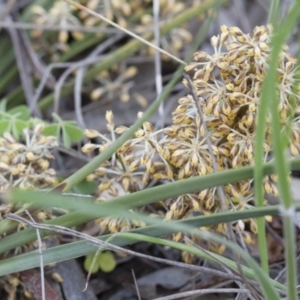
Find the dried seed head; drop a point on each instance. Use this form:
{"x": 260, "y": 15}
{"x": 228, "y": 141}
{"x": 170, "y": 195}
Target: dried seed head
{"x": 88, "y": 148}
{"x": 109, "y": 117}
{"x": 91, "y": 133}
{"x": 215, "y": 41}
{"x": 121, "y": 129}
{"x": 200, "y": 56}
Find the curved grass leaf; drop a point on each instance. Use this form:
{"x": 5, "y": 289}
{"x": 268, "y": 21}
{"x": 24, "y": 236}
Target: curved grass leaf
{"x": 280, "y": 157}
{"x": 76, "y": 249}
{"x": 268, "y": 285}
{"x": 127, "y": 202}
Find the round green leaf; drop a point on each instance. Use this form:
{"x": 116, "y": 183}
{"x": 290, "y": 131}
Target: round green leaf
{"x": 52, "y": 129}
{"x": 21, "y": 111}
{"x": 66, "y": 138}
{"x": 74, "y": 132}
{"x": 17, "y": 127}
{"x": 4, "y": 126}
{"x": 88, "y": 264}
{"x": 106, "y": 261}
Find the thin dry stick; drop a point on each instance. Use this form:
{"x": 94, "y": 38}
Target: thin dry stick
{"x": 91, "y": 12}
{"x": 91, "y": 268}
{"x": 88, "y": 60}
{"x": 242, "y": 296}
{"x": 202, "y": 292}
{"x": 220, "y": 190}
{"x": 79, "y": 78}
{"x": 246, "y": 250}
{"x": 157, "y": 57}
{"x": 136, "y": 285}
{"x": 38, "y": 66}
{"x": 243, "y": 245}
{"x": 80, "y": 75}
{"x": 32, "y": 26}
{"x": 64, "y": 76}
{"x": 7, "y": 8}
{"x": 88, "y": 29}
{"x": 74, "y": 153}
{"x": 43, "y": 82}
{"x": 47, "y": 73}
{"x": 251, "y": 287}
{"x": 105, "y": 245}
{"x": 92, "y": 58}
{"x": 209, "y": 144}
{"x": 281, "y": 277}
{"x": 77, "y": 97}
{"x": 41, "y": 257}
{"x": 22, "y": 62}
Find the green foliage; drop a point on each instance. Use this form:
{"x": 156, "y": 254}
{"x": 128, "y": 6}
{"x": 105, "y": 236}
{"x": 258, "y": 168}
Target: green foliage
{"x": 16, "y": 119}
{"x": 85, "y": 187}
{"x": 13, "y": 120}
{"x": 88, "y": 264}
{"x": 67, "y": 130}
{"x": 105, "y": 262}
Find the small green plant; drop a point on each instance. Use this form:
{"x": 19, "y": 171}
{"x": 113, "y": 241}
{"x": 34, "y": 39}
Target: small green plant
{"x": 13, "y": 120}
{"x": 67, "y": 131}
{"x": 105, "y": 262}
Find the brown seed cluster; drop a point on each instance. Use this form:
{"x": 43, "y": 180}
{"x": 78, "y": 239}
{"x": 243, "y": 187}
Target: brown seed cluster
{"x": 134, "y": 14}
{"x": 116, "y": 84}
{"x": 117, "y": 177}
{"x": 228, "y": 85}
{"x": 26, "y": 165}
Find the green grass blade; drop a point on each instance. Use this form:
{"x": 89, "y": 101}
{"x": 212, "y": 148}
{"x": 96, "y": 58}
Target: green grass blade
{"x": 274, "y": 12}
{"x": 74, "y": 250}
{"x": 281, "y": 164}
{"x": 256, "y": 272}
{"x": 137, "y": 199}
{"x": 268, "y": 93}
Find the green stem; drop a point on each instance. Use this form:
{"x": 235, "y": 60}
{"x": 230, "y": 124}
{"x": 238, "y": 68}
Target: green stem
{"x": 274, "y": 13}
{"x": 267, "y": 284}
{"x": 87, "y": 211}
{"x": 280, "y": 160}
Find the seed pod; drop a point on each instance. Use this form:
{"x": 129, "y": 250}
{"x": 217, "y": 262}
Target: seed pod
{"x": 109, "y": 117}
{"x": 91, "y": 133}
{"x": 121, "y": 129}
{"x": 215, "y": 41}
{"x": 200, "y": 56}
{"x": 63, "y": 36}
{"x": 88, "y": 148}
